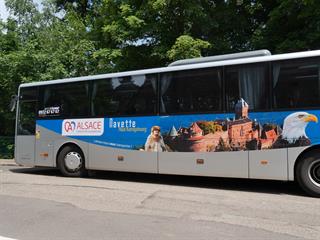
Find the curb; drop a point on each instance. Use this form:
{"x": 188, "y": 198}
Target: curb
{"x": 7, "y": 162}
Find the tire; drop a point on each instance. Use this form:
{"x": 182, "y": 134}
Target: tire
{"x": 71, "y": 162}
{"x": 308, "y": 173}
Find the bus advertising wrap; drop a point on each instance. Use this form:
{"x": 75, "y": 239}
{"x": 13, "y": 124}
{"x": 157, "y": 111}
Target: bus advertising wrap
{"x": 196, "y": 133}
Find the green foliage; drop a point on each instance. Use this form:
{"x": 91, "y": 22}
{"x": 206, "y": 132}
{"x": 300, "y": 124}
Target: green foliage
{"x": 291, "y": 26}
{"x": 70, "y": 38}
{"x": 39, "y": 46}
{"x": 6, "y": 147}
{"x": 187, "y": 47}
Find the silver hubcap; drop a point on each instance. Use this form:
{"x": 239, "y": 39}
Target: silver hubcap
{"x": 314, "y": 173}
{"x": 73, "y": 161}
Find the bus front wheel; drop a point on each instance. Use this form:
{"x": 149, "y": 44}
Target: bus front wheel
{"x": 308, "y": 173}
{"x": 71, "y": 162}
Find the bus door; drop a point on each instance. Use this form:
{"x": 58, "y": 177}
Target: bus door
{"x": 26, "y": 122}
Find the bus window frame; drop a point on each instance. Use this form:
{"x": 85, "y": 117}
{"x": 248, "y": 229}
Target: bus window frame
{"x": 273, "y": 108}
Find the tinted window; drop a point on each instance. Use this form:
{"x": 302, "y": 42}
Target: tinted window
{"x": 132, "y": 95}
{"x": 248, "y": 82}
{"x": 191, "y": 91}
{"x": 27, "y": 111}
{"x": 67, "y": 100}
{"x": 29, "y": 93}
{"x": 296, "y": 83}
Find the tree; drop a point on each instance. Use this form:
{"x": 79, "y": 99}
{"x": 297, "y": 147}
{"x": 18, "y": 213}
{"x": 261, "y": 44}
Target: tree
{"x": 40, "y": 46}
{"x": 144, "y": 31}
{"x": 83, "y": 7}
{"x": 291, "y": 26}
{"x": 187, "y": 47}
{"x": 69, "y": 38}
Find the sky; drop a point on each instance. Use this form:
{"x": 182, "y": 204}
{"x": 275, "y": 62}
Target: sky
{"x": 3, "y": 11}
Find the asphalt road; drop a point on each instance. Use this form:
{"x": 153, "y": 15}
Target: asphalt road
{"x": 37, "y": 203}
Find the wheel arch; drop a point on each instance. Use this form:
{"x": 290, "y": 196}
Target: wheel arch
{"x": 69, "y": 144}
{"x": 303, "y": 154}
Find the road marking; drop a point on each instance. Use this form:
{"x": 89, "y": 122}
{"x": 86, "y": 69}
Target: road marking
{"x": 5, "y": 238}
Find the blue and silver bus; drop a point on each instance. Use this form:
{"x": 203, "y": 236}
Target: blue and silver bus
{"x": 247, "y": 115}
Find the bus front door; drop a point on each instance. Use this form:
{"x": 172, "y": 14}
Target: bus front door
{"x": 25, "y": 138}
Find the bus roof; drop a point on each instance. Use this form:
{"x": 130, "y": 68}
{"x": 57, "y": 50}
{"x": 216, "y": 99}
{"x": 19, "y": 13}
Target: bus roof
{"x": 181, "y": 67}
{"x": 257, "y": 53}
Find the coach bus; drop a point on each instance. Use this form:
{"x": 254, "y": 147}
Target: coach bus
{"x": 248, "y": 115}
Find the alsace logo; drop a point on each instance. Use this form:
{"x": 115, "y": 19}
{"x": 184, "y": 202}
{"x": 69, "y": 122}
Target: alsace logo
{"x": 83, "y": 127}
{"x": 69, "y": 126}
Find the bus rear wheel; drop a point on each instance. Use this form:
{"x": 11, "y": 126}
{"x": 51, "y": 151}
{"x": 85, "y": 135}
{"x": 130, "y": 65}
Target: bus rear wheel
{"x": 71, "y": 162}
{"x": 308, "y": 174}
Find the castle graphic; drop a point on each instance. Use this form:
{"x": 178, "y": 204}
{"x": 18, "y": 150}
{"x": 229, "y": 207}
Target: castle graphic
{"x": 240, "y": 133}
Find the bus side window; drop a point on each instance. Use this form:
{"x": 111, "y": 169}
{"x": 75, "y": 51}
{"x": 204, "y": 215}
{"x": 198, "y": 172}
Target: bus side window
{"x": 249, "y": 82}
{"x": 130, "y": 95}
{"x": 296, "y": 83}
{"x": 191, "y": 91}
{"x": 72, "y": 99}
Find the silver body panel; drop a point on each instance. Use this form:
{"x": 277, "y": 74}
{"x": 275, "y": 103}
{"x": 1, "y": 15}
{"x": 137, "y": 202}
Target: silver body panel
{"x": 237, "y": 164}
{"x": 218, "y": 164}
{"x": 106, "y": 158}
{"x": 44, "y": 145}
{"x": 25, "y": 150}
{"x": 268, "y": 164}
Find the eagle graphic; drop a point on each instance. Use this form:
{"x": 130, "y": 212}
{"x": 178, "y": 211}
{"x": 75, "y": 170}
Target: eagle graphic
{"x": 294, "y": 130}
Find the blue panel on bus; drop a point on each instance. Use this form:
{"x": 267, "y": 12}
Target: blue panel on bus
{"x": 199, "y": 132}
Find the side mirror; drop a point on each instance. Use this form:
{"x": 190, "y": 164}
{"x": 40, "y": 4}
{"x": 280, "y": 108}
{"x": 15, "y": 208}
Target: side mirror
{"x": 13, "y": 102}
